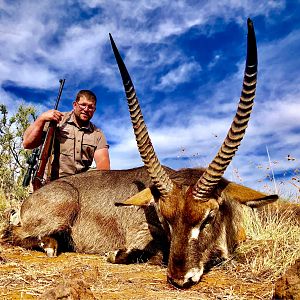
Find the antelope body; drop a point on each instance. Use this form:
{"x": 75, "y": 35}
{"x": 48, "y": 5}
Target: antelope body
{"x": 189, "y": 218}
{"x": 79, "y": 212}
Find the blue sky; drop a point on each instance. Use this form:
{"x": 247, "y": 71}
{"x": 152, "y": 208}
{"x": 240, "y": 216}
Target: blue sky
{"x": 186, "y": 59}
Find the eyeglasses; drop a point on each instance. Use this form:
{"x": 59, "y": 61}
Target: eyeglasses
{"x": 87, "y": 107}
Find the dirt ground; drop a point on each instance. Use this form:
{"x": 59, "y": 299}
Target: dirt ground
{"x": 28, "y": 274}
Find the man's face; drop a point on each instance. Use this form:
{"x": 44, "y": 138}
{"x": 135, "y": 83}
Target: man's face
{"x": 84, "y": 109}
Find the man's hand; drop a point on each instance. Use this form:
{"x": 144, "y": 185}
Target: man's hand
{"x": 51, "y": 115}
{"x": 32, "y": 137}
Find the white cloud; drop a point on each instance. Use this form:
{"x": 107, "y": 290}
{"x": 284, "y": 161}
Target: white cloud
{"x": 79, "y": 43}
{"x": 181, "y": 74}
{"x": 42, "y": 40}
{"x": 273, "y": 123}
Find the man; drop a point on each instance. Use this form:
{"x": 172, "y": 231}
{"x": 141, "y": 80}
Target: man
{"x": 77, "y": 140}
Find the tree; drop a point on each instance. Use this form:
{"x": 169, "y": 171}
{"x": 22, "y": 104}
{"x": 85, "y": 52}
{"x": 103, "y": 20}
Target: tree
{"x": 12, "y": 155}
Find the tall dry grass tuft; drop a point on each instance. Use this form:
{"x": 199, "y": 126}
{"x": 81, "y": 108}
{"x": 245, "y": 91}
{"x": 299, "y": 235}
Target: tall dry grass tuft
{"x": 3, "y": 205}
{"x": 273, "y": 240}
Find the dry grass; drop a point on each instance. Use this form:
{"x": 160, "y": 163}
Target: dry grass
{"x": 273, "y": 241}
{"x": 28, "y": 274}
{"x": 273, "y": 244}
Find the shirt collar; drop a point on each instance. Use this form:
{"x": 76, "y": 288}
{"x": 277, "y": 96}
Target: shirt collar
{"x": 72, "y": 120}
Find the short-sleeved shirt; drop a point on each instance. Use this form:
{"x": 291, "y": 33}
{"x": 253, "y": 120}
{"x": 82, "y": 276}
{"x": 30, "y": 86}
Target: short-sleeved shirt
{"x": 74, "y": 146}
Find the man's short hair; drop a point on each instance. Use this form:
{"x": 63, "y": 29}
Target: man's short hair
{"x": 88, "y": 94}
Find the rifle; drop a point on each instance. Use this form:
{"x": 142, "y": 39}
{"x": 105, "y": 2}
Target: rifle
{"x": 31, "y": 161}
{"x": 44, "y": 151}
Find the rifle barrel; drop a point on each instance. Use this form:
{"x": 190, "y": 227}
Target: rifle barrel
{"x": 45, "y": 148}
{"x": 62, "y": 83}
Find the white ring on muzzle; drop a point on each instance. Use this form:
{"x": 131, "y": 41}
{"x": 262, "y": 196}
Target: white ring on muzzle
{"x": 193, "y": 275}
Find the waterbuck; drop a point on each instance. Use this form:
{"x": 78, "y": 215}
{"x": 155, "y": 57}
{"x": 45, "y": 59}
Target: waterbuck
{"x": 200, "y": 208}
{"x": 188, "y": 219}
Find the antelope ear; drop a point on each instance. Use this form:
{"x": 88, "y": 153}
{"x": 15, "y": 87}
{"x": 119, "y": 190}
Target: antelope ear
{"x": 247, "y": 196}
{"x": 143, "y": 198}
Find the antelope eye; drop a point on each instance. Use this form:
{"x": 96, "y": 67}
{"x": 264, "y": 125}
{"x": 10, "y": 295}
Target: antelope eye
{"x": 208, "y": 219}
{"x": 211, "y": 215}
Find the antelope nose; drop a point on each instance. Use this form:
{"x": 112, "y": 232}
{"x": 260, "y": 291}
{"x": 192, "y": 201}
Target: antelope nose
{"x": 191, "y": 277}
{"x": 180, "y": 283}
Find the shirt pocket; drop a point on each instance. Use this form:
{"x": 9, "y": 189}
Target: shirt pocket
{"x": 88, "y": 147}
{"x": 66, "y": 140}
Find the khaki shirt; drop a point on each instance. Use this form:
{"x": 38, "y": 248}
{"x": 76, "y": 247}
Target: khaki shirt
{"x": 74, "y": 146}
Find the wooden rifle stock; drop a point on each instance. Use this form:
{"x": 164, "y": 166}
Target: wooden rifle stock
{"x": 38, "y": 179}
{"x": 46, "y": 147}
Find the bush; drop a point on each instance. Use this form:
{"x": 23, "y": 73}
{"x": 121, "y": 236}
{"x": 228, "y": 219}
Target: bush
{"x": 12, "y": 155}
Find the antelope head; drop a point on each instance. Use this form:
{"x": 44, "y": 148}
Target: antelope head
{"x": 198, "y": 205}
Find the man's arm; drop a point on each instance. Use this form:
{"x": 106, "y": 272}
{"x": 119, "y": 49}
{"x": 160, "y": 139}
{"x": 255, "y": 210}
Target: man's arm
{"x": 101, "y": 157}
{"x": 32, "y": 137}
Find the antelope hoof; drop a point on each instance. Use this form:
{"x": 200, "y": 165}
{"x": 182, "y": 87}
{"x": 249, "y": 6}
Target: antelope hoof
{"x": 49, "y": 245}
{"x": 51, "y": 252}
{"x": 112, "y": 255}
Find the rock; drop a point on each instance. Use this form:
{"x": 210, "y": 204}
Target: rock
{"x": 3, "y": 260}
{"x": 69, "y": 290}
{"x": 288, "y": 286}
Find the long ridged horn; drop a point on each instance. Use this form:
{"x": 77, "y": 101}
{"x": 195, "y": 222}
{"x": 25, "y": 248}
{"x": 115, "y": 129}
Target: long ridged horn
{"x": 158, "y": 175}
{"x": 217, "y": 167}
